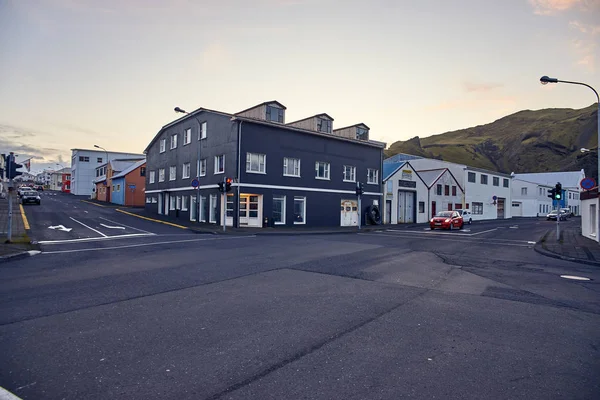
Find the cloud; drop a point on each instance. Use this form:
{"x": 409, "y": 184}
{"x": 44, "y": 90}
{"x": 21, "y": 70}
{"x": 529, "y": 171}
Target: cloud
{"x": 14, "y": 139}
{"x": 585, "y": 28}
{"x": 481, "y": 87}
{"x": 586, "y": 53}
{"x": 472, "y": 104}
{"x": 551, "y": 7}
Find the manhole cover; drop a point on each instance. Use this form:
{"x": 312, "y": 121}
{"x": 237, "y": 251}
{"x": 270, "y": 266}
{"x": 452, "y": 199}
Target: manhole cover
{"x": 575, "y": 278}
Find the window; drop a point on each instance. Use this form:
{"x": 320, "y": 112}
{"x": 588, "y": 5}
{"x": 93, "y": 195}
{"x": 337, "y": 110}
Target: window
{"x": 173, "y": 141}
{"x": 84, "y": 159}
{"x": 523, "y": 191}
{"x": 193, "y": 208}
{"x": 148, "y": 200}
{"x": 446, "y": 190}
{"x": 184, "y": 203}
{"x": 154, "y": 200}
{"x": 142, "y": 171}
{"x": 421, "y": 207}
{"x": 322, "y": 170}
{"x": 119, "y": 187}
{"x": 163, "y": 145}
{"x": 495, "y": 181}
{"x": 202, "y": 208}
{"x": 172, "y": 202}
{"x": 220, "y": 164}
{"x": 172, "y": 173}
{"x": 505, "y": 182}
{"x": 229, "y": 209}
{"x": 187, "y": 136}
{"x": 99, "y": 159}
{"x": 201, "y": 167}
{"x": 390, "y": 187}
{"x": 291, "y": 167}
{"x": 541, "y": 191}
{"x": 540, "y": 208}
{"x": 454, "y": 191}
{"x": 161, "y": 175}
{"x": 361, "y": 133}
{"x": 484, "y": 179}
{"x": 569, "y": 195}
{"x": 438, "y": 190}
{"x": 213, "y": 209}
{"x": 279, "y": 210}
{"x": 202, "y": 133}
{"x": 255, "y": 163}
{"x": 274, "y": 114}
{"x": 477, "y": 208}
{"x": 186, "y": 170}
{"x": 299, "y": 210}
{"x": 471, "y": 177}
{"x": 324, "y": 125}
{"x": 373, "y": 176}
{"x": 349, "y": 173}
{"x": 178, "y": 202}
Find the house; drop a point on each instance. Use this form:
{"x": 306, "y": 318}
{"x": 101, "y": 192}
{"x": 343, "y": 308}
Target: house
{"x": 66, "y": 181}
{"x": 129, "y": 185}
{"x": 104, "y": 187}
{"x": 530, "y": 199}
{"x": 83, "y": 167}
{"x": 56, "y": 178}
{"x": 302, "y": 173}
{"x": 405, "y": 194}
{"x": 444, "y": 192}
{"x": 590, "y": 209}
{"x": 570, "y": 181}
{"x": 486, "y": 193}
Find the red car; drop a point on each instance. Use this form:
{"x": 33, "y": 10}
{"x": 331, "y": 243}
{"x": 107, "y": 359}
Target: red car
{"x": 446, "y": 220}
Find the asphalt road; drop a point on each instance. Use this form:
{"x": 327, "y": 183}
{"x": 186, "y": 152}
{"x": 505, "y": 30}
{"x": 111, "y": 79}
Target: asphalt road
{"x": 402, "y": 313}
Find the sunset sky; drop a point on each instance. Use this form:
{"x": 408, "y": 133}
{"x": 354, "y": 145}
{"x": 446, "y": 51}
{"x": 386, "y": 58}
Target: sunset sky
{"x": 74, "y": 73}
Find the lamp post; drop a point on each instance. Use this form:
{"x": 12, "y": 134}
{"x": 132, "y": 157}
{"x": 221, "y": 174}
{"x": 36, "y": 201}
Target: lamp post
{"x": 107, "y": 161}
{"x": 544, "y": 80}
{"x": 179, "y": 110}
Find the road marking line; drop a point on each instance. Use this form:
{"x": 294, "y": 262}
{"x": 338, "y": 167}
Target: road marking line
{"x": 81, "y": 223}
{"x": 112, "y": 227}
{"x": 25, "y": 222}
{"x": 461, "y": 240}
{"x": 146, "y": 244}
{"x": 489, "y": 230}
{"x": 89, "y": 202}
{"x": 94, "y": 239}
{"x": 153, "y": 220}
{"x": 126, "y": 226}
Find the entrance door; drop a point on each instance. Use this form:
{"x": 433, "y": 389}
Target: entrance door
{"x": 593, "y": 220}
{"x": 516, "y": 210}
{"x": 388, "y": 211}
{"x": 401, "y": 201}
{"x": 349, "y": 213}
{"x": 409, "y": 198}
{"x": 500, "y": 208}
{"x": 160, "y": 203}
{"x": 250, "y": 210}
{"x": 433, "y": 209}
{"x": 166, "y": 205}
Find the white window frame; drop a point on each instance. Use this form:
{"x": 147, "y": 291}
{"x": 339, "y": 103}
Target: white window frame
{"x": 163, "y": 145}
{"x": 201, "y": 167}
{"x": 286, "y": 162}
{"x": 152, "y": 177}
{"x": 303, "y": 211}
{"x": 161, "y": 174}
{"x": 178, "y": 202}
{"x": 172, "y": 172}
{"x": 173, "y": 141}
{"x": 326, "y": 169}
{"x": 523, "y": 191}
{"x": 249, "y": 157}
{"x": 193, "y": 208}
{"x": 186, "y": 170}
{"x": 352, "y": 170}
{"x": 217, "y": 164}
{"x": 202, "y": 132}
{"x": 212, "y": 219}
{"x": 187, "y": 136}
{"x": 172, "y": 204}
{"x": 203, "y": 201}
{"x": 280, "y": 197}
{"x": 372, "y": 176}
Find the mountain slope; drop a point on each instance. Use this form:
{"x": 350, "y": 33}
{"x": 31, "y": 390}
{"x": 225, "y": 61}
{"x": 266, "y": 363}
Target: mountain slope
{"x": 527, "y": 141}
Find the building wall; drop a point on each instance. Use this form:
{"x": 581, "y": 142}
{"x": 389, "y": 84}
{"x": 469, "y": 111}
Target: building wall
{"x": 66, "y": 182}
{"x": 404, "y": 176}
{"x": 101, "y": 191}
{"x": 134, "y": 196}
{"x": 117, "y": 194}
{"x": 589, "y": 218}
{"x": 443, "y": 202}
{"x": 536, "y": 196}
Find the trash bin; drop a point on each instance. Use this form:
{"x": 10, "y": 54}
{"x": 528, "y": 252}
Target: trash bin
{"x": 265, "y": 222}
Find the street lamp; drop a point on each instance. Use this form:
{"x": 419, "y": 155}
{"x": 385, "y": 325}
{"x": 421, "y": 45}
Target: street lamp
{"x": 100, "y": 147}
{"x": 545, "y": 80}
{"x": 179, "y": 110}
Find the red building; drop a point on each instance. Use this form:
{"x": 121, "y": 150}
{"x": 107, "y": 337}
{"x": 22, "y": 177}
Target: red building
{"x": 66, "y": 183}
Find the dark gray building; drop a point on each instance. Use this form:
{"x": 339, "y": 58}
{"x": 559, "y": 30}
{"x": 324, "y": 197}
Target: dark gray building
{"x": 300, "y": 173}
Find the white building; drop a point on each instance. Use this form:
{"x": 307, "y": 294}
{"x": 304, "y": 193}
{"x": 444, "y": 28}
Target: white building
{"x": 569, "y": 180}
{"x": 406, "y": 195}
{"x": 83, "y": 167}
{"x": 486, "y": 193}
{"x": 444, "y": 192}
{"x": 530, "y": 199}
{"x": 590, "y": 206}
{"x": 56, "y": 178}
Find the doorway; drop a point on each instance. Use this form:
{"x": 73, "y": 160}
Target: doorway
{"x": 406, "y": 207}
{"x": 500, "y": 208}
{"x": 433, "y": 209}
{"x": 349, "y": 213}
{"x": 251, "y": 210}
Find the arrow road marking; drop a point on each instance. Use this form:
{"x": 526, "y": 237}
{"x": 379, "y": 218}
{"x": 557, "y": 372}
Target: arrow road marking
{"x": 113, "y": 227}
{"x": 61, "y": 228}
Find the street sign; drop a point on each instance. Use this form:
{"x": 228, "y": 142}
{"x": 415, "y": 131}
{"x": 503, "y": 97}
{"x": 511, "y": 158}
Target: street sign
{"x": 587, "y": 183}
{"x": 132, "y": 186}
{"x": 195, "y": 183}
{"x": 494, "y": 198}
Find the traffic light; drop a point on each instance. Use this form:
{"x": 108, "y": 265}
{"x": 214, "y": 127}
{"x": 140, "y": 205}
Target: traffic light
{"x": 228, "y": 184}
{"x": 221, "y": 186}
{"x": 558, "y": 191}
{"x": 359, "y": 189}
{"x": 551, "y": 193}
{"x": 12, "y": 167}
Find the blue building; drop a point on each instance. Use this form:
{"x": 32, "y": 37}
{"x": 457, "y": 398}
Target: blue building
{"x": 302, "y": 173}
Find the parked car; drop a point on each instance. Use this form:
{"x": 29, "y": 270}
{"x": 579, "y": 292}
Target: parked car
{"x": 39, "y": 188}
{"x": 23, "y": 189}
{"x": 466, "y": 215}
{"x": 554, "y": 214}
{"x": 31, "y": 197}
{"x": 446, "y": 220}
{"x": 567, "y": 211}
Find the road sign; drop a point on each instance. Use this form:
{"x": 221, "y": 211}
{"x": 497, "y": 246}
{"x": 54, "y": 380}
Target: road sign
{"x": 195, "y": 183}
{"x": 132, "y": 186}
{"x": 587, "y": 183}
{"x": 494, "y": 198}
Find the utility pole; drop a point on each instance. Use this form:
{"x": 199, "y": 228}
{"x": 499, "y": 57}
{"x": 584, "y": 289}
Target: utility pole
{"x": 224, "y": 203}
{"x": 359, "y": 191}
{"x": 9, "y": 175}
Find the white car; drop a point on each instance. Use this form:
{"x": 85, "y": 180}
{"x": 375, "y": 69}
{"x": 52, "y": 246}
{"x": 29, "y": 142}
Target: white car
{"x": 466, "y": 214}
{"x": 23, "y": 189}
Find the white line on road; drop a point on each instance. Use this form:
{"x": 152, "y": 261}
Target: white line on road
{"x": 458, "y": 239}
{"x": 94, "y": 239}
{"x": 81, "y": 223}
{"x": 145, "y": 244}
{"x": 113, "y": 227}
{"x": 127, "y": 226}
{"x": 479, "y": 233}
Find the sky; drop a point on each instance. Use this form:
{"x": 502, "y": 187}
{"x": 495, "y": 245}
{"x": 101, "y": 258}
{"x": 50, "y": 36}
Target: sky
{"x": 74, "y": 73}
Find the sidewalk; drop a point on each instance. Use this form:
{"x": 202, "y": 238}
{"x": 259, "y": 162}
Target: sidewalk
{"x": 218, "y": 229}
{"x": 20, "y": 243}
{"x": 572, "y": 246}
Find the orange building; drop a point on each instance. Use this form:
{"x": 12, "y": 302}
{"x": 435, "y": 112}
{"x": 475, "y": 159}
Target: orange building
{"x": 128, "y": 187}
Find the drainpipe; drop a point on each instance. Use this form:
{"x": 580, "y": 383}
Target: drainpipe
{"x": 382, "y": 190}
{"x": 238, "y": 172}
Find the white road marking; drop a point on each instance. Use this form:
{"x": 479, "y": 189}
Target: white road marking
{"x": 81, "y": 223}
{"x": 530, "y": 242}
{"x": 86, "y": 212}
{"x": 458, "y": 239}
{"x": 34, "y": 252}
{"x": 576, "y": 278}
{"x": 146, "y": 244}
{"x": 127, "y": 226}
{"x": 95, "y": 239}
{"x": 61, "y": 228}
{"x": 113, "y": 227}
{"x": 479, "y": 233}
{"x": 428, "y": 231}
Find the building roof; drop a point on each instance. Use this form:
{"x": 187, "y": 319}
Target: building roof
{"x": 533, "y": 183}
{"x": 129, "y": 169}
{"x": 311, "y": 117}
{"x": 430, "y": 176}
{"x": 262, "y": 104}
{"x": 99, "y": 179}
{"x": 567, "y": 179}
{"x": 352, "y": 126}
{"x": 121, "y": 165}
{"x": 401, "y": 157}
{"x": 104, "y": 152}
{"x": 390, "y": 169}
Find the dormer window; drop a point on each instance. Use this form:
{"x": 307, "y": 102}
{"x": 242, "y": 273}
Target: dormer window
{"x": 362, "y": 133}
{"x": 323, "y": 125}
{"x": 274, "y": 114}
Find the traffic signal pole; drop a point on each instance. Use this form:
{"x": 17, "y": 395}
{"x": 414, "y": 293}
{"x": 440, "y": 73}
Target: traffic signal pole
{"x": 224, "y": 203}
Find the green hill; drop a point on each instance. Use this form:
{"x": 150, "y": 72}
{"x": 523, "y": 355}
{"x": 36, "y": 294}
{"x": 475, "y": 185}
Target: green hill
{"x": 527, "y": 141}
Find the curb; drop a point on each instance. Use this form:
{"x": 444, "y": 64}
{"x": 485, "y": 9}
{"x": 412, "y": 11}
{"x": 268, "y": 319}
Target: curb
{"x": 15, "y": 256}
{"x": 6, "y": 395}
{"x": 540, "y": 249}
